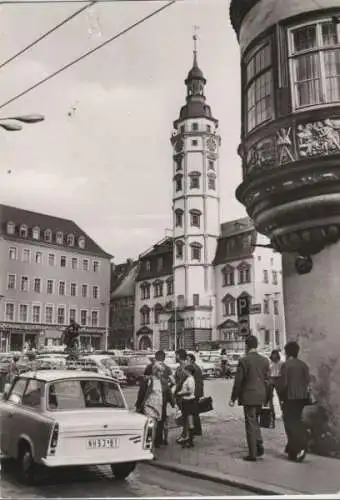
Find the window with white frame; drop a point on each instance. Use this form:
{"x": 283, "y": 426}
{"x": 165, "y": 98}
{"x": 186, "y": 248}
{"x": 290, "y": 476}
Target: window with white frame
{"x": 81, "y": 242}
{"x": 274, "y": 276}
{"x": 70, "y": 240}
{"x": 36, "y": 233}
{"x": 84, "y": 290}
{"x": 11, "y": 281}
{"x": 178, "y": 217}
{"x": 94, "y": 318}
{"x": 170, "y": 286}
{"x": 9, "y": 312}
{"x": 61, "y": 287}
{"x": 265, "y": 276}
{"x": 36, "y": 314}
{"x": 10, "y": 228}
{"x": 23, "y": 313}
{"x": 73, "y": 314}
{"x": 314, "y": 51}
{"x": 158, "y": 288}
{"x": 145, "y": 315}
{"x": 228, "y": 273}
{"x": 95, "y": 292}
{"x": 49, "y": 315}
{"x": 194, "y": 180}
{"x": 196, "y": 250}
{"x": 24, "y": 284}
{"x": 244, "y": 273}
{"x": 50, "y": 286}
{"x": 23, "y": 231}
{"x": 74, "y": 263}
{"x": 37, "y": 285}
{"x": 51, "y": 259}
{"x": 48, "y": 235}
{"x": 195, "y": 218}
{"x": 73, "y": 289}
{"x": 59, "y": 238}
{"x": 259, "y": 91}
{"x": 83, "y": 317}
{"x": 26, "y": 255}
{"x": 12, "y": 253}
{"x": 61, "y": 315}
{"x": 38, "y": 257}
{"x": 95, "y": 266}
{"x": 179, "y": 249}
{"x": 229, "y": 305}
{"x": 85, "y": 265}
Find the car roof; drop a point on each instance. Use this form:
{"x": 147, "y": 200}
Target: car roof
{"x": 53, "y": 375}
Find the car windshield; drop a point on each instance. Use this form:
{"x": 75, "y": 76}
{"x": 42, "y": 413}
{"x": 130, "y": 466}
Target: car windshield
{"x": 109, "y": 363}
{"x": 84, "y": 393}
{"x": 139, "y": 361}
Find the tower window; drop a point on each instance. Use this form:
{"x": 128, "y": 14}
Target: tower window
{"x": 179, "y": 249}
{"x": 178, "y": 164}
{"x": 211, "y": 165}
{"x": 195, "y": 218}
{"x": 194, "y": 126}
{"x": 196, "y": 251}
{"x": 208, "y": 128}
{"x": 194, "y": 182}
{"x": 178, "y": 180}
{"x": 179, "y": 217}
{"x": 194, "y": 142}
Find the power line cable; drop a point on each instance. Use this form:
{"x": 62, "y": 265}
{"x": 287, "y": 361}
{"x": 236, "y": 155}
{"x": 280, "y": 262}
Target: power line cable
{"x": 46, "y": 2}
{"x": 49, "y": 32}
{"x": 88, "y": 53}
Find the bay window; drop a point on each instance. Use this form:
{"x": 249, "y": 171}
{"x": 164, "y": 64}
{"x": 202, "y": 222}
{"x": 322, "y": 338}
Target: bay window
{"x": 314, "y": 52}
{"x": 259, "y": 91}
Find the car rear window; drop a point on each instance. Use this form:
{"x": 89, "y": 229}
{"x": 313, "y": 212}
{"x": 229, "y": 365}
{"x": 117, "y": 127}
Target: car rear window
{"x": 84, "y": 393}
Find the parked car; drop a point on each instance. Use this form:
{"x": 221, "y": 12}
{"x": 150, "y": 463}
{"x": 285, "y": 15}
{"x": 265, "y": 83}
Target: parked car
{"x": 58, "y": 418}
{"x": 214, "y": 359}
{"x": 232, "y": 360}
{"x": 104, "y": 364}
{"x": 134, "y": 370}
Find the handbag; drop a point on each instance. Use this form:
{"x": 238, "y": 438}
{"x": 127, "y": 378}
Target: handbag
{"x": 179, "y": 418}
{"x": 267, "y": 418}
{"x": 205, "y": 404}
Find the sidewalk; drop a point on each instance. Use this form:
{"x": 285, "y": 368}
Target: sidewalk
{"x": 218, "y": 456}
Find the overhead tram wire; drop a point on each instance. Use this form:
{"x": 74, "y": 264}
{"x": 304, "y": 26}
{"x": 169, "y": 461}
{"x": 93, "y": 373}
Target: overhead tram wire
{"x": 46, "y": 2}
{"x": 47, "y": 33}
{"x": 88, "y": 53}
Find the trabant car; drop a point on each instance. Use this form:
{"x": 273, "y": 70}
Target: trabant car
{"x": 105, "y": 365}
{"x": 57, "y": 418}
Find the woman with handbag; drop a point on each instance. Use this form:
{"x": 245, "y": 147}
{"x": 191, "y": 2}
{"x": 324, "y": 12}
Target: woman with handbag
{"x": 188, "y": 407}
{"x": 274, "y": 380}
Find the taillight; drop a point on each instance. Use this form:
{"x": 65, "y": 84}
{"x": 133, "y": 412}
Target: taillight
{"x": 54, "y": 439}
{"x": 149, "y": 431}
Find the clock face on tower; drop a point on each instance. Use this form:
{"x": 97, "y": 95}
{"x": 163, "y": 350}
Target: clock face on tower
{"x": 211, "y": 144}
{"x": 179, "y": 145}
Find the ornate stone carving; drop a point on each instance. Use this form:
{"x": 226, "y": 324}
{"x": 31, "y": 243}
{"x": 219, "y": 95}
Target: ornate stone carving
{"x": 261, "y": 155}
{"x": 284, "y": 145}
{"x": 320, "y": 138}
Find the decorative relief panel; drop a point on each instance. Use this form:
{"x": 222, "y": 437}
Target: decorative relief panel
{"x": 290, "y": 144}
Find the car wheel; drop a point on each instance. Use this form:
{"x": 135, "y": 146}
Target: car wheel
{"x": 26, "y": 465}
{"x": 122, "y": 471}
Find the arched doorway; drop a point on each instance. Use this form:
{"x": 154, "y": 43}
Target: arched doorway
{"x": 145, "y": 343}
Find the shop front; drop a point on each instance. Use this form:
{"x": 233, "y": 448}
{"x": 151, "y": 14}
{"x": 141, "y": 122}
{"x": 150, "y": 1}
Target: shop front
{"x": 14, "y": 337}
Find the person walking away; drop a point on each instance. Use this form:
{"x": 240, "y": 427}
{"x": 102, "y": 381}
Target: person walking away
{"x": 167, "y": 381}
{"x": 251, "y": 389}
{"x": 150, "y": 396}
{"x": 275, "y": 372}
{"x": 180, "y": 376}
{"x": 189, "y": 407}
{"x": 294, "y": 386}
{"x": 224, "y": 360}
{"x": 13, "y": 370}
{"x": 199, "y": 392}
{"x": 149, "y": 367}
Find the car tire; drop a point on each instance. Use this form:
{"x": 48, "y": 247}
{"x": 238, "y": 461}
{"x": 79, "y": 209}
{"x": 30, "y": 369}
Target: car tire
{"x": 26, "y": 466}
{"x": 122, "y": 471}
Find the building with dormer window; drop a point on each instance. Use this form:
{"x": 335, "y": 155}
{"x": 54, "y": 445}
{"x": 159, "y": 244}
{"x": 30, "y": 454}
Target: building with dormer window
{"x": 50, "y": 272}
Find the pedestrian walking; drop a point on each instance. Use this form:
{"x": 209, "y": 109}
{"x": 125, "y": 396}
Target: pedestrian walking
{"x": 294, "y": 392}
{"x": 275, "y": 372}
{"x": 180, "y": 376}
{"x": 13, "y": 369}
{"x": 189, "y": 407}
{"x": 167, "y": 381}
{"x": 224, "y": 360}
{"x": 251, "y": 389}
{"x": 199, "y": 392}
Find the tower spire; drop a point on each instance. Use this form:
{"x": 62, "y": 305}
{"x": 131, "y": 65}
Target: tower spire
{"x": 195, "y": 38}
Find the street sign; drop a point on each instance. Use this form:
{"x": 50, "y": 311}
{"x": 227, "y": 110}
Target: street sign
{"x": 243, "y": 306}
{"x": 255, "y": 309}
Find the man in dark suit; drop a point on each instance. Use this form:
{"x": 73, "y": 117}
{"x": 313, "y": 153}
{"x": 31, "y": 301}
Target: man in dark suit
{"x": 250, "y": 388}
{"x": 293, "y": 388}
{"x": 199, "y": 392}
{"x": 180, "y": 376}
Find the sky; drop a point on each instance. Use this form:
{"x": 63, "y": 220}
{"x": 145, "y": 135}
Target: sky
{"x": 103, "y": 157}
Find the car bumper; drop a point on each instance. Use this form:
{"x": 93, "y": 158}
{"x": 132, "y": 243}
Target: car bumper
{"x": 89, "y": 461}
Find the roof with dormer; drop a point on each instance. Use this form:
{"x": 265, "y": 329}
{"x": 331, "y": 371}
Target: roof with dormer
{"x": 237, "y": 241}
{"x": 123, "y": 279}
{"x": 20, "y": 217}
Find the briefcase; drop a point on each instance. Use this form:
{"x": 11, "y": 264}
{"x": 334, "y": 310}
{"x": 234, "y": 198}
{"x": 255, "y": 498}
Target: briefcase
{"x": 205, "y": 404}
{"x": 267, "y": 418}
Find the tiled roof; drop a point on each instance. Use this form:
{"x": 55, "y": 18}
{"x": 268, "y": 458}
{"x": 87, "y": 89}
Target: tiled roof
{"x": 31, "y": 219}
{"x": 163, "y": 249}
{"x": 123, "y": 280}
{"x": 236, "y": 242}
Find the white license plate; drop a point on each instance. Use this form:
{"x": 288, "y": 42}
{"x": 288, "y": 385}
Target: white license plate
{"x": 98, "y": 443}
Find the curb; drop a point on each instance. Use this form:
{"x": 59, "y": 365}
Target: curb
{"x": 218, "y": 477}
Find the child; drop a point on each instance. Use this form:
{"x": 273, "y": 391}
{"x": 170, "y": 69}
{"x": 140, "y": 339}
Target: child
{"x": 188, "y": 407}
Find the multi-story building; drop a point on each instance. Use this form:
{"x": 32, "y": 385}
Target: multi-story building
{"x": 50, "y": 272}
{"x": 290, "y": 150}
{"x": 122, "y": 314}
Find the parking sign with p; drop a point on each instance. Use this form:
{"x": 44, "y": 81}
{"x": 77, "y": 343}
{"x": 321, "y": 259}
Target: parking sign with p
{"x": 243, "y": 306}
